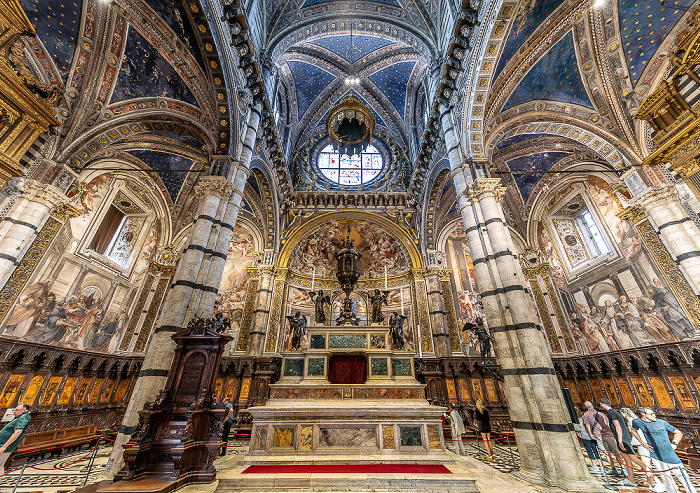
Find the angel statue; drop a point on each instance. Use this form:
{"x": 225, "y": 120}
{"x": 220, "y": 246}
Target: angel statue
{"x": 376, "y": 300}
{"x": 298, "y": 328}
{"x": 396, "y": 323}
{"x": 485, "y": 340}
{"x": 320, "y": 300}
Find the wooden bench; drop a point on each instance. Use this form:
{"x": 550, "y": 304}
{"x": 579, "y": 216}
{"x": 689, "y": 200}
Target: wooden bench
{"x": 38, "y": 445}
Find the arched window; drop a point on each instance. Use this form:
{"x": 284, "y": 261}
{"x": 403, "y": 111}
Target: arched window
{"x": 350, "y": 170}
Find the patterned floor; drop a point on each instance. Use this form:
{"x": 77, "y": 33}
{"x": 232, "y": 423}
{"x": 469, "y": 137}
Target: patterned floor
{"x": 67, "y": 473}
{"x": 505, "y": 462}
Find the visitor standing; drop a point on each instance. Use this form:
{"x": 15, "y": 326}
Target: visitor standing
{"x": 652, "y": 481}
{"x": 590, "y": 446}
{"x": 11, "y": 434}
{"x": 457, "y": 429}
{"x": 483, "y": 424}
{"x": 618, "y": 425}
{"x": 661, "y": 449}
{"x": 228, "y": 421}
{"x": 598, "y": 426}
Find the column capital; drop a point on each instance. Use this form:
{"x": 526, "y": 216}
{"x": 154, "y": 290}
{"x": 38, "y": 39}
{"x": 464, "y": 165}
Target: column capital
{"x": 483, "y": 187}
{"x": 652, "y": 197}
{"x": 213, "y": 185}
{"x": 534, "y": 263}
{"x": 45, "y": 194}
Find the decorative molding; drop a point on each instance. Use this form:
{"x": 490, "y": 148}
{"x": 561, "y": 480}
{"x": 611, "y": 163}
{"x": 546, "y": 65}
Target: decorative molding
{"x": 658, "y": 196}
{"x": 247, "y": 316}
{"x": 451, "y": 316}
{"x": 217, "y": 186}
{"x": 273, "y": 326}
{"x": 484, "y": 187}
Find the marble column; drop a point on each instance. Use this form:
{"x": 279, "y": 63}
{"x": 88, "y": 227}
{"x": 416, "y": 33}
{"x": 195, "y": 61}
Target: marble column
{"x": 195, "y": 281}
{"x": 436, "y": 310}
{"x": 19, "y": 228}
{"x": 258, "y": 326}
{"x": 549, "y": 448}
{"x": 678, "y": 231}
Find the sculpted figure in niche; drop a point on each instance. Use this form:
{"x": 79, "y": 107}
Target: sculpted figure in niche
{"x": 297, "y": 324}
{"x": 320, "y": 300}
{"x": 376, "y": 301}
{"x": 396, "y": 322}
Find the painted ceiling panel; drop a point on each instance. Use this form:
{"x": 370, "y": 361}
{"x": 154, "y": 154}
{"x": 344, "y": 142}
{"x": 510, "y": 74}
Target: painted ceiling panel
{"x": 531, "y": 15}
{"x": 164, "y": 162}
{"x": 57, "y": 25}
{"x": 555, "y": 77}
{"x": 644, "y": 24}
{"x": 175, "y": 17}
{"x": 517, "y": 139}
{"x": 534, "y": 164}
{"x": 310, "y": 3}
{"x": 392, "y": 82}
{"x": 145, "y": 73}
{"x": 309, "y": 81}
{"x": 185, "y": 138}
{"x": 361, "y": 45}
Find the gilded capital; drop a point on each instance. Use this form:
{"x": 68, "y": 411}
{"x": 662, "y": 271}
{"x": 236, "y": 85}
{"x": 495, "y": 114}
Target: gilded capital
{"x": 483, "y": 187}
{"x": 213, "y": 185}
{"x": 655, "y": 196}
{"x": 534, "y": 263}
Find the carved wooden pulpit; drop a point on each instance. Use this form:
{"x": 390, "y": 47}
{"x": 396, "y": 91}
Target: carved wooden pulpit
{"x": 178, "y": 435}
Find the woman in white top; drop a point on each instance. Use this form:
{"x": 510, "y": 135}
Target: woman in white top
{"x": 629, "y": 415}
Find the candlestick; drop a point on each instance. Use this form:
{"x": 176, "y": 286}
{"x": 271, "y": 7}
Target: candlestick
{"x": 313, "y": 279}
{"x": 386, "y": 281}
{"x": 402, "y": 312}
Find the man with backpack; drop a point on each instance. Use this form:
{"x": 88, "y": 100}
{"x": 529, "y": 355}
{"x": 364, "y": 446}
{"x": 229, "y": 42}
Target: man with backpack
{"x": 598, "y": 426}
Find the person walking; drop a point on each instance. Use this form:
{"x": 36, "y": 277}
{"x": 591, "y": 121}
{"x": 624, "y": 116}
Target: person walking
{"x": 652, "y": 481}
{"x": 483, "y": 424}
{"x": 11, "y": 434}
{"x": 621, "y": 432}
{"x": 590, "y": 446}
{"x": 457, "y": 429}
{"x": 228, "y": 421}
{"x": 661, "y": 449}
{"x": 598, "y": 427}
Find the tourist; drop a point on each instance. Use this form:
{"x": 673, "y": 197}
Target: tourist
{"x": 11, "y": 434}
{"x": 661, "y": 449}
{"x": 590, "y": 446}
{"x": 457, "y": 429}
{"x": 652, "y": 480}
{"x": 618, "y": 425}
{"x": 228, "y": 421}
{"x": 483, "y": 424}
{"x": 597, "y": 426}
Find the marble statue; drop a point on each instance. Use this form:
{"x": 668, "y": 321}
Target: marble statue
{"x": 320, "y": 300}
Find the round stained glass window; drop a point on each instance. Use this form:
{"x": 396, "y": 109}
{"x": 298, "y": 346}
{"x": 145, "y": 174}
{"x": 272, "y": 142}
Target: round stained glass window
{"x": 350, "y": 170}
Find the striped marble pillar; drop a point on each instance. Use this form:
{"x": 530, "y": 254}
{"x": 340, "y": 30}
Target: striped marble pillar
{"x": 677, "y": 230}
{"x": 549, "y": 450}
{"x": 259, "y": 324}
{"x": 19, "y": 228}
{"x": 238, "y": 177}
{"x": 436, "y": 310}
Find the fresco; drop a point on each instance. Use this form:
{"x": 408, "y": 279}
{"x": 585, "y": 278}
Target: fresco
{"x": 464, "y": 289}
{"x": 234, "y": 282}
{"x": 630, "y": 305}
{"x": 378, "y": 248}
{"x": 70, "y": 302}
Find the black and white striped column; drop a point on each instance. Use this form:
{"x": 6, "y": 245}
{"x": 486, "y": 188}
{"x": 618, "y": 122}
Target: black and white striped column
{"x": 549, "y": 450}
{"x": 21, "y": 225}
{"x": 436, "y": 311}
{"x": 679, "y": 232}
{"x": 261, "y": 312}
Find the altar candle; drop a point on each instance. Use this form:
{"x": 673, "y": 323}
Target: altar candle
{"x": 313, "y": 279}
{"x": 386, "y": 280}
{"x": 402, "y": 313}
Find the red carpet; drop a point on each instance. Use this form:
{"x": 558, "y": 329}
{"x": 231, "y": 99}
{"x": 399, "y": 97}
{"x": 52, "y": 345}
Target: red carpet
{"x": 351, "y": 469}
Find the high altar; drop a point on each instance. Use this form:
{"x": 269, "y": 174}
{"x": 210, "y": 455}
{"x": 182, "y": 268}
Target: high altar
{"x": 347, "y": 389}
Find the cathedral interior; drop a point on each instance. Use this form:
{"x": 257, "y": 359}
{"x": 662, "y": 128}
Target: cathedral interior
{"x": 517, "y": 173}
